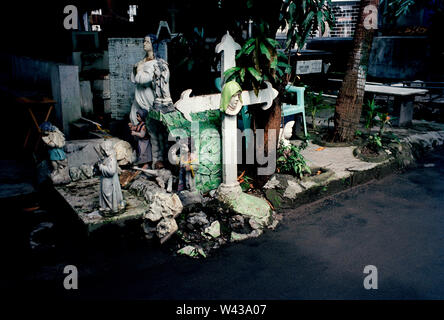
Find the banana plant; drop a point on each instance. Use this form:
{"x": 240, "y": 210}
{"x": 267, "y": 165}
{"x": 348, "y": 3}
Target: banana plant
{"x": 259, "y": 60}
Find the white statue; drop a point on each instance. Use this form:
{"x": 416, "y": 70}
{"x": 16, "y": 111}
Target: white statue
{"x": 110, "y": 198}
{"x": 152, "y": 92}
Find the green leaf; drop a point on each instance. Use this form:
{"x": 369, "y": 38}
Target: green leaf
{"x": 250, "y": 49}
{"x": 255, "y": 73}
{"x": 273, "y": 64}
{"x": 273, "y": 42}
{"x": 283, "y": 64}
{"x": 242, "y": 74}
{"x": 230, "y": 72}
{"x": 307, "y": 20}
{"x": 265, "y": 50}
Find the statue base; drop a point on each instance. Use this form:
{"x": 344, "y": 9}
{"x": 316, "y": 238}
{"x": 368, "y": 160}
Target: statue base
{"x": 245, "y": 204}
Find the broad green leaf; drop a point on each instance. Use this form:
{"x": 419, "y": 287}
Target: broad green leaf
{"x": 230, "y": 72}
{"x": 273, "y": 64}
{"x": 242, "y": 74}
{"x": 264, "y": 50}
{"x": 307, "y": 20}
{"x": 249, "y": 50}
{"x": 283, "y": 64}
{"x": 255, "y": 73}
{"x": 273, "y": 42}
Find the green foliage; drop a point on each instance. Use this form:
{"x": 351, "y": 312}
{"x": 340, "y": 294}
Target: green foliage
{"x": 303, "y": 17}
{"x": 259, "y": 61}
{"x": 315, "y": 103}
{"x": 290, "y": 160}
{"x": 370, "y": 111}
{"x": 246, "y": 183}
{"x": 374, "y": 142}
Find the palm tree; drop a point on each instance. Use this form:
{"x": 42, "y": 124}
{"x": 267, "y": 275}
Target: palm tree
{"x": 351, "y": 94}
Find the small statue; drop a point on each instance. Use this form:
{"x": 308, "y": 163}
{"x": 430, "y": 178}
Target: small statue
{"x": 142, "y": 137}
{"x": 110, "y": 198}
{"x": 231, "y": 100}
{"x": 55, "y": 140}
{"x": 151, "y": 77}
{"x": 188, "y": 167}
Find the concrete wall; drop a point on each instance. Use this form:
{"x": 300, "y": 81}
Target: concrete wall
{"x": 123, "y": 54}
{"x": 397, "y": 58}
{"x": 400, "y": 58}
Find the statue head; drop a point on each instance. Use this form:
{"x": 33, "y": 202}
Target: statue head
{"x": 47, "y": 127}
{"x": 142, "y": 113}
{"x": 148, "y": 47}
{"x": 231, "y": 100}
{"x": 107, "y": 148}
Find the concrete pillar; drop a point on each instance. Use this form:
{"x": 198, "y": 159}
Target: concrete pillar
{"x": 229, "y": 150}
{"x": 66, "y": 91}
{"x": 86, "y": 98}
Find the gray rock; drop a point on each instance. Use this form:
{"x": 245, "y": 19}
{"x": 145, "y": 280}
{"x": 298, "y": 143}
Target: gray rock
{"x": 146, "y": 188}
{"x": 254, "y": 224}
{"x": 199, "y": 218}
{"x": 166, "y": 227}
{"x": 190, "y": 197}
{"x": 164, "y": 205}
{"x": 237, "y": 221}
{"x": 241, "y": 236}
{"x": 61, "y": 176}
{"x": 87, "y": 170}
{"x": 272, "y": 183}
{"x": 149, "y": 231}
{"x": 213, "y": 230}
{"x": 76, "y": 174}
{"x": 192, "y": 251}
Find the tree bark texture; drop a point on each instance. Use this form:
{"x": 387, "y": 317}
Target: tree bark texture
{"x": 268, "y": 120}
{"x": 351, "y": 95}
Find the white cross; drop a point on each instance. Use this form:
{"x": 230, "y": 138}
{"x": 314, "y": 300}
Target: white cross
{"x": 188, "y": 105}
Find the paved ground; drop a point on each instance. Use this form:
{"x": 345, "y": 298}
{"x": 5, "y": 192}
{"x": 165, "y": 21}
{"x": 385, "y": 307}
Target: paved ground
{"x": 318, "y": 252}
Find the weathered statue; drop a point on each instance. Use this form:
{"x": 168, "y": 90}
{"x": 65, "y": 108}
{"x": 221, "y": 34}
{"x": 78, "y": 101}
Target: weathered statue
{"x": 110, "y": 198}
{"x": 142, "y": 137}
{"x": 188, "y": 167}
{"x": 152, "y": 93}
{"x": 55, "y": 140}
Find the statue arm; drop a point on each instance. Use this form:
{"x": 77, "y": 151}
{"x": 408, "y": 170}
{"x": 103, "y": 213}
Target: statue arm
{"x": 108, "y": 169}
{"x": 145, "y": 76}
{"x": 140, "y": 134}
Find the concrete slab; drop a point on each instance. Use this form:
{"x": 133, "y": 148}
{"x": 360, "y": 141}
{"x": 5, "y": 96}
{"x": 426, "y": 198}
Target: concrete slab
{"x": 83, "y": 198}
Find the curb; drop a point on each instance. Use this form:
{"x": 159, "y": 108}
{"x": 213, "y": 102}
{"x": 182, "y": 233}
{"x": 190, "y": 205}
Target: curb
{"x": 287, "y": 192}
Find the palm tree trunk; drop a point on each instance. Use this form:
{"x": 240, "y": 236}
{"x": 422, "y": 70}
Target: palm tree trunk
{"x": 351, "y": 94}
{"x": 268, "y": 120}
